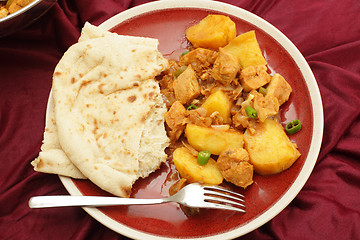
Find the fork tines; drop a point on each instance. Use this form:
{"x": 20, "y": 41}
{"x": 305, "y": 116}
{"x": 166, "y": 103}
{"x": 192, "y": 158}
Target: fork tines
{"x": 224, "y": 198}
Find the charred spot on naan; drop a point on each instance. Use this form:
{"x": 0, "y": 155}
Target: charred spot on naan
{"x": 126, "y": 191}
{"x": 100, "y": 87}
{"x": 82, "y": 128}
{"x": 40, "y": 163}
{"x": 131, "y": 98}
{"x": 112, "y": 121}
{"x": 53, "y": 121}
{"x": 84, "y": 84}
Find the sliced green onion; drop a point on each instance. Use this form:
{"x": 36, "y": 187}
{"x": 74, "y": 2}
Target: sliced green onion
{"x": 179, "y": 71}
{"x": 263, "y": 90}
{"x": 251, "y": 112}
{"x": 184, "y": 53}
{"x": 203, "y": 157}
{"x": 293, "y": 127}
{"x": 191, "y": 107}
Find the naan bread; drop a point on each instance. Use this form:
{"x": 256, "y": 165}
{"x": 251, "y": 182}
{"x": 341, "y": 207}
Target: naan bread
{"x": 52, "y": 158}
{"x": 109, "y": 113}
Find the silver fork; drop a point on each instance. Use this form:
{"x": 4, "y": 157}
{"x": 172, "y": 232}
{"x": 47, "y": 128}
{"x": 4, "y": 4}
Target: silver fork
{"x": 193, "y": 195}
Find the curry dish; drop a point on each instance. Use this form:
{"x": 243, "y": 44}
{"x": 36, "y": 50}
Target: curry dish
{"x": 222, "y": 101}
{"x": 12, "y": 6}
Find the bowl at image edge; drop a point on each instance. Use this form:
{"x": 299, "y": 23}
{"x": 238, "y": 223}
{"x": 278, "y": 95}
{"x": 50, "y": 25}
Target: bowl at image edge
{"x": 25, "y": 16}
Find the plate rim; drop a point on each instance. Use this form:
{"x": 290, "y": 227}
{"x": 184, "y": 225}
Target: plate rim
{"x": 317, "y": 109}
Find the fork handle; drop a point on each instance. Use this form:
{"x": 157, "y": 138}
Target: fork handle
{"x": 88, "y": 201}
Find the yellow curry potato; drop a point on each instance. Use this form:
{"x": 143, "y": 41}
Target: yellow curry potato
{"x": 270, "y": 149}
{"x": 213, "y": 31}
{"x": 188, "y": 168}
{"x": 246, "y": 48}
{"x": 218, "y": 101}
{"x": 213, "y": 140}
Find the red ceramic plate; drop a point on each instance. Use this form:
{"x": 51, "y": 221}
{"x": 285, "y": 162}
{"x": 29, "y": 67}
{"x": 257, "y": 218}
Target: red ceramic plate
{"x": 167, "y": 21}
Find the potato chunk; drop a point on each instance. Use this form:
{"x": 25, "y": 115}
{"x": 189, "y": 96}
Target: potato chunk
{"x": 213, "y": 31}
{"x": 186, "y": 86}
{"x": 218, "y": 102}
{"x": 279, "y": 88}
{"x": 188, "y": 167}
{"x": 176, "y": 118}
{"x": 246, "y": 48}
{"x": 270, "y": 149}
{"x": 213, "y": 140}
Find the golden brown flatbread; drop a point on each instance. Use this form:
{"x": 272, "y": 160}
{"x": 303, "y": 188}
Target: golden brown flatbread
{"x": 109, "y": 113}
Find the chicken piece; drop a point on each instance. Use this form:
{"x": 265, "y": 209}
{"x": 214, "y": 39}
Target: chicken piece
{"x": 199, "y": 117}
{"x": 225, "y": 68}
{"x": 176, "y": 119}
{"x": 265, "y": 106}
{"x": 200, "y": 59}
{"x": 186, "y": 86}
{"x": 279, "y": 88}
{"x": 234, "y": 165}
{"x": 253, "y": 77}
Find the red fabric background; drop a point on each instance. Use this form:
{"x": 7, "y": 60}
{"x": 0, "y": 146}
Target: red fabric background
{"x": 327, "y": 33}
